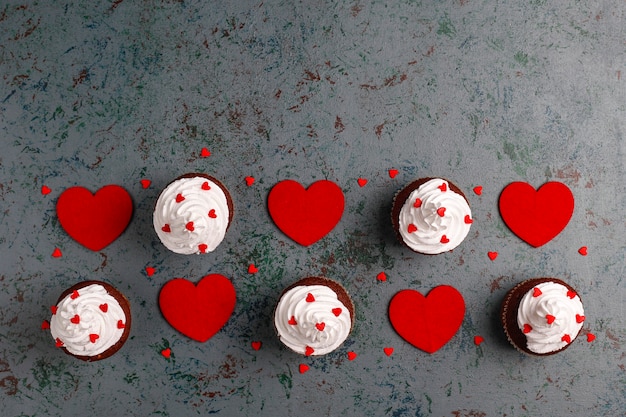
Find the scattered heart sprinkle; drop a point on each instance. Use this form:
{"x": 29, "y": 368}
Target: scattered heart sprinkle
{"x": 382, "y": 277}
{"x": 352, "y": 356}
{"x": 388, "y": 351}
{"x": 492, "y": 255}
{"x": 583, "y": 250}
{"x": 45, "y": 190}
{"x": 393, "y": 173}
{"x": 249, "y": 180}
{"x": 56, "y": 253}
{"x": 167, "y": 352}
{"x": 204, "y": 152}
{"x": 256, "y": 345}
{"x": 45, "y": 325}
{"x": 252, "y": 269}
{"x": 303, "y": 368}
{"x": 145, "y": 183}
{"x": 591, "y": 337}
{"x": 478, "y": 190}
{"x": 150, "y": 271}
{"x": 362, "y": 182}
{"x": 478, "y": 340}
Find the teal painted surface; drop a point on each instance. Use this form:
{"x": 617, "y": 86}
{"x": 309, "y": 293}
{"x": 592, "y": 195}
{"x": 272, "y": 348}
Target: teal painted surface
{"x": 481, "y": 92}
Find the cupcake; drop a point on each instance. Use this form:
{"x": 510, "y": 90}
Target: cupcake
{"x": 90, "y": 321}
{"x": 431, "y": 216}
{"x": 314, "y": 316}
{"x": 542, "y": 316}
{"x": 192, "y": 214}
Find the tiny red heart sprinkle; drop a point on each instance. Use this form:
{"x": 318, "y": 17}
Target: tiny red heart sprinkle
{"x": 150, "y": 271}
{"x": 74, "y": 295}
{"x": 56, "y": 253}
{"x": 75, "y": 319}
{"x": 202, "y": 248}
{"x": 205, "y": 186}
{"x": 58, "y": 342}
{"x": 579, "y": 318}
{"x": 179, "y": 198}
{"x": 467, "y": 219}
{"x": 441, "y": 211}
{"x": 382, "y": 277}
{"x": 93, "y": 337}
{"x": 303, "y": 368}
{"x": 550, "y": 318}
{"x": 212, "y": 214}
{"x": 252, "y": 269}
{"x": 443, "y": 187}
{"x": 444, "y": 239}
{"x": 388, "y": 351}
{"x": 45, "y": 190}
{"x": 308, "y": 351}
{"x": 478, "y": 190}
{"x": 393, "y": 173}
{"x": 478, "y": 340}
{"x": 411, "y": 228}
{"x": 492, "y": 255}
{"x": 167, "y": 352}
{"x": 310, "y": 298}
{"x": 352, "y": 356}
{"x": 120, "y": 324}
{"x": 189, "y": 226}
{"x": 336, "y": 311}
{"x": 292, "y": 321}
{"x": 249, "y": 180}
{"x": 204, "y": 152}
{"x": 166, "y": 228}
{"x": 45, "y": 325}
{"x": 591, "y": 337}
{"x": 527, "y": 328}
{"x": 583, "y": 250}
{"x": 536, "y": 292}
{"x": 320, "y": 326}
{"x": 571, "y": 293}
{"x": 145, "y": 183}
{"x": 256, "y": 345}
{"x": 54, "y": 309}
{"x": 417, "y": 203}
{"x": 362, "y": 182}
{"x": 104, "y": 307}
{"x": 566, "y": 338}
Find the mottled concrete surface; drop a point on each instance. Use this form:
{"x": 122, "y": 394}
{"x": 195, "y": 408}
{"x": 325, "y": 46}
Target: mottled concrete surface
{"x": 481, "y": 92}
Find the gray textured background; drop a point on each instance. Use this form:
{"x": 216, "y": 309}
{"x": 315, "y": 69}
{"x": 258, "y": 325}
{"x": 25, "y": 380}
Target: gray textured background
{"x": 481, "y": 92}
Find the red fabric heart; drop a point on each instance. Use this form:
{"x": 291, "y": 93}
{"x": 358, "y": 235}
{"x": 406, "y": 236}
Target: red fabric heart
{"x": 198, "y": 311}
{"x": 538, "y": 216}
{"x": 428, "y": 322}
{"x": 306, "y": 215}
{"x": 94, "y": 220}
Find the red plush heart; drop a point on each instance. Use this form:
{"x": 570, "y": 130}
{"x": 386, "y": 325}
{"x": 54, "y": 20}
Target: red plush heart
{"x": 538, "y": 216}
{"x": 428, "y": 322}
{"x": 306, "y": 215}
{"x": 94, "y": 220}
{"x": 198, "y": 311}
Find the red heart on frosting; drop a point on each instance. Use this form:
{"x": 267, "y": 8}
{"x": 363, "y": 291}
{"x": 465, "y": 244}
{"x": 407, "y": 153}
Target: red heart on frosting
{"x": 428, "y": 322}
{"x": 538, "y": 216}
{"x": 198, "y": 311}
{"x": 94, "y": 220}
{"x": 306, "y": 215}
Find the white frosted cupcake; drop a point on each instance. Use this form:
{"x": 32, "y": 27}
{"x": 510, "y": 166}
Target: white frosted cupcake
{"x": 90, "y": 321}
{"x": 192, "y": 214}
{"x": 431, "y": 216}
{"x": 314, "y": 316}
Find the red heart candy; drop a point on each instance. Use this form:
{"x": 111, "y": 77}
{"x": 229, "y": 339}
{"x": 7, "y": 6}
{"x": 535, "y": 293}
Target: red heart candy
{"x": 583, "y": 250}
{"x": 198, "y": 311}
{"x": 252, "y": 269}
{"x": 381, "y": 277}
{"x": 249, "y": 180}
{"x": 306, "y": 215}
{"x": 167, "y": 352}
{"x": 93, "y": 337}
{"x": 388, "y": 351}
{"x": 104, "y": 307}
{"x": 56, "y": 253}
{"x": 492, "y": 255}
{"x": 145, "y": 183}
{"x": 352, "y": 356}
{"x": 45, "y": 190}
{"x": 256, "y": 345}
{"x": 478, "y": 190}
{"x": 393, "y": 173}
{"x": 427, "y": 322}
{"x": 538, "y": 216}
{"x": 362, "y": 182}
{"x": 94, "y": 220}
{"x": 478, "y": 340}
{"x": 302, "y": 368}
{"x": 204, "y": 152}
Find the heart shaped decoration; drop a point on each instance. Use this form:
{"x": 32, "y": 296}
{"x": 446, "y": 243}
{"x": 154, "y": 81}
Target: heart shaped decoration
{"x": 538, "y": 216}
{"x": 305, "y": 215}
{"x": 428, "y": 322}
{"x": 94, "y": 220}
{"x": 198, "y": 311}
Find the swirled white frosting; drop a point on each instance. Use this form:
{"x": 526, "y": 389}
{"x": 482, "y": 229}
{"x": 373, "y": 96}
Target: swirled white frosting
{"x": 87, "y": 325}
{"x": 191, "y": 216}
{"x": 433, "y": 221}
{"x": 312, "y": 327}
{"x": 550, "y": 317}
